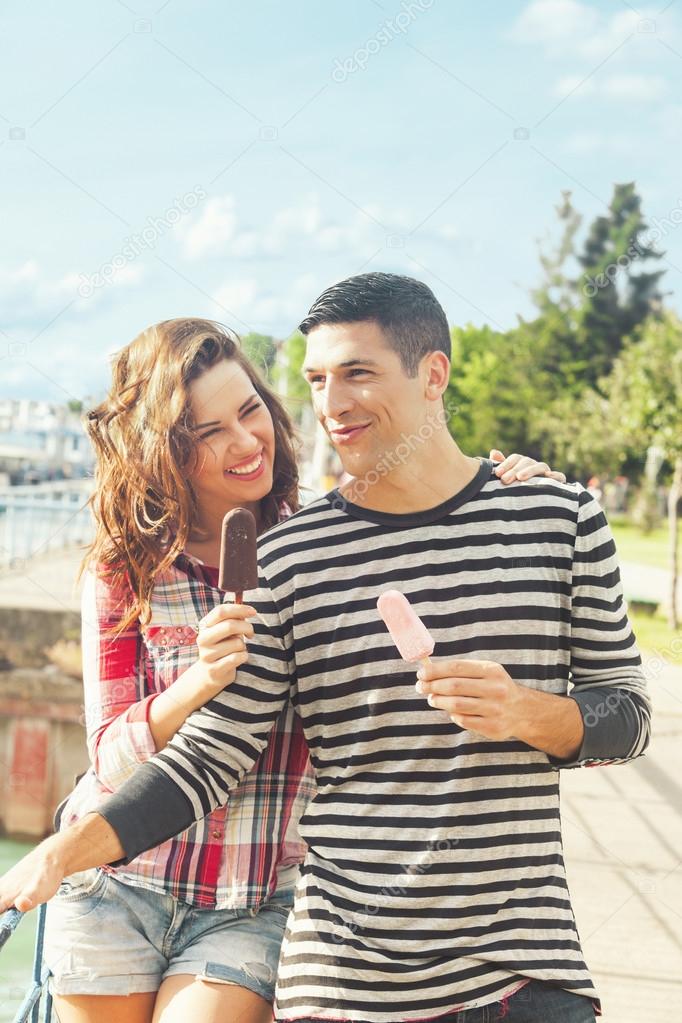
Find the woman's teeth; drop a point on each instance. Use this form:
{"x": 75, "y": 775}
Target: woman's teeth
{"x": 244, "y": 470}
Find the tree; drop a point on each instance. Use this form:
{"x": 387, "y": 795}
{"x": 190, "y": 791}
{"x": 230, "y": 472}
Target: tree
{"x": 616, "y": 292}
{"x": 645, "y": 400}
{"x": 260, "y": 350}
{"x": 287, "y": 376}
{"x": 637, "y": 406}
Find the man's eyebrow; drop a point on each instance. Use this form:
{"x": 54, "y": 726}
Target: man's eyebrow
{"x": 345, "y": 365}
{"x": 214, "y": 422}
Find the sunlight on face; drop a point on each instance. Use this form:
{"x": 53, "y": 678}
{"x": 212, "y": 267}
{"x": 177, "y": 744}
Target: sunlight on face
{"x": 361, "y": 393}
{"x": 236, "y": 450}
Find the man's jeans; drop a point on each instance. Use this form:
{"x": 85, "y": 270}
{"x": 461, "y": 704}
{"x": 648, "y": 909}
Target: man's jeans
{"x": 536, "y": 1002}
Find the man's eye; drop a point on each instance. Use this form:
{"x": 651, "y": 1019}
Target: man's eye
{"x": 315, "y": 380}
{"x": 353, "y": 372}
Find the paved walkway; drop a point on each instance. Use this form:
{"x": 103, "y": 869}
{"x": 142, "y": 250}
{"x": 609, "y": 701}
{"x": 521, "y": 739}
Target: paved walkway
{"x": 623, "y": 838}
{"x": 44, "y": 583}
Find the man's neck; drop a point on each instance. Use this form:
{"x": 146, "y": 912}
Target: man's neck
{"x": 425, "y": 481}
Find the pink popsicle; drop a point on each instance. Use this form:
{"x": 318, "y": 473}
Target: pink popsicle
{"x": 409, "y": 633}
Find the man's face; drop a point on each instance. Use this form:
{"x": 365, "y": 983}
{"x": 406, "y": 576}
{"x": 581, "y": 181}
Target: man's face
{"x": 360, "y": 392}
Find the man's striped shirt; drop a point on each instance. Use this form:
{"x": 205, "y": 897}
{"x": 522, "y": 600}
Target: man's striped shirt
{"x": 434, "y": 878}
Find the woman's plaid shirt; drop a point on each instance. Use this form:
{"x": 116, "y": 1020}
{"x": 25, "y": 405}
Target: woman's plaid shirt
{"x": 236, "y": 856}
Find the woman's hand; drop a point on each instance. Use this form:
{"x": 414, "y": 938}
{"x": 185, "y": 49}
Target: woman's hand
{"x": 221, "y": 640}
{"x": 222, "y": 643}
{"x": 521, "y": 467}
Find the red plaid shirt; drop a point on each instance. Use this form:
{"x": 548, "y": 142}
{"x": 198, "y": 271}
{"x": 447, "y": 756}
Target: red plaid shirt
{"x": 240, "y": 853}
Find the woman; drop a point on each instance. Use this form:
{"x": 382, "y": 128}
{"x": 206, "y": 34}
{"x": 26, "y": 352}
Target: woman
{"x": 191, "y": 929}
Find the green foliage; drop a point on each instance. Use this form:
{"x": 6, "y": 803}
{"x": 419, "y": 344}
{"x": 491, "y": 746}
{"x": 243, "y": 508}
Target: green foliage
{"x": 537, "y": 388}
{"x": 617, "y": 291}
{"x": 287, "y": 376}
{"x": 260, "y": 350}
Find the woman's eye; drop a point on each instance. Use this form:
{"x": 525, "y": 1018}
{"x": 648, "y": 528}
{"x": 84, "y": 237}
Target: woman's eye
{"x": 251, "y": 409}
{"x": 210, "y": 433}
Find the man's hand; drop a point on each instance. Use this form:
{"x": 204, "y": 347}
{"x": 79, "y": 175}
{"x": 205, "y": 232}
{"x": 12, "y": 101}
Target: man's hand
{"x": 481, "y": 696}
{"x": 478, "y": 695}
{"x": 35, "y": 879}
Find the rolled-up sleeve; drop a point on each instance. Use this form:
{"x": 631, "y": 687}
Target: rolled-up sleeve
{"x": 608, "y": 683}
{"x": 116, "y": 705}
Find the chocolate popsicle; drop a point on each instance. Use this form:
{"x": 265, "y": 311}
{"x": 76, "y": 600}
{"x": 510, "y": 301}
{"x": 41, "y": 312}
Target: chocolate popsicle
{"x": 238, "y": 560}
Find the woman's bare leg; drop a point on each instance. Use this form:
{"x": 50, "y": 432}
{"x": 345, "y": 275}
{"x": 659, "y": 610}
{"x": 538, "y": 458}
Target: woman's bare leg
{"x": 136, "y": 1008}
{"x": 182, "y": 998}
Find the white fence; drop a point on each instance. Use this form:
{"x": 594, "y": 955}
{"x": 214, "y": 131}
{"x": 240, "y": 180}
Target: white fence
{"x": 45, "y": 517}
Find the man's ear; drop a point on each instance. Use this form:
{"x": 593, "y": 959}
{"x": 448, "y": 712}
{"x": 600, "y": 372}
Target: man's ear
{"x": 436, "y": 374}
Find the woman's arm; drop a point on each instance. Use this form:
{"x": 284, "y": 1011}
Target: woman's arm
{"x": 126, "y": 724}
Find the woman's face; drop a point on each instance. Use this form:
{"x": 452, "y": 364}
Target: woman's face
{"x": 236, "y": 439}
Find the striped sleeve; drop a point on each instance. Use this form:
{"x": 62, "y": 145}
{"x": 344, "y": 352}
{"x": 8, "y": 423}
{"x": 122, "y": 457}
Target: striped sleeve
{"x": 215, "y": 747}
{"x": 116, "y": 704}
{"x": 606, "y": 669}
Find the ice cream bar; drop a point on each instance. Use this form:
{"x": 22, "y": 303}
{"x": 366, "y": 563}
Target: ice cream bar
{"x": 238, "y": 558}
{"x": 409, "y": 633}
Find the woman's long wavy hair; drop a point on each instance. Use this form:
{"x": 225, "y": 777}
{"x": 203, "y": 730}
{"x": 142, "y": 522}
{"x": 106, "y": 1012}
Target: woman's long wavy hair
{"x": 144, "y": 505}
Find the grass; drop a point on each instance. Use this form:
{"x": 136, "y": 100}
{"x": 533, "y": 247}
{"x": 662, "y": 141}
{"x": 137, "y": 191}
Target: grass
{"x": 654, "y": 636}
{"x": 646, "y": 549}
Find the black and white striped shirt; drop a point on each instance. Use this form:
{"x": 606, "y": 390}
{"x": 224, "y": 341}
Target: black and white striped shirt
{"x": 434, "y": 878}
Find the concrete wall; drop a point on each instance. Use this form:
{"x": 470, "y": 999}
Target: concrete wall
{"x": 42, "y": 749}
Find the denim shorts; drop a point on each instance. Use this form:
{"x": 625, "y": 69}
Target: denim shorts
{"x": 104, "y": 937}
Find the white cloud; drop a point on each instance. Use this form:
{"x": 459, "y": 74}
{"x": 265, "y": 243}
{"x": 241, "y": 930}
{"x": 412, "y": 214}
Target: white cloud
{"x": 211, "y": 230}
{"x": 586, "y": 143}
{"x": 554, "y": 23}
{"x": 303, "y": 227}
{"x": 574, "y": 84}
{"x": 634, "y": 88}
{"x": 568, "y": 28}
{"x": 261, "y": 309}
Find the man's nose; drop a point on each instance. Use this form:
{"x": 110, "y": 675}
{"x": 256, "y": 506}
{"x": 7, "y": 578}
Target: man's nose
{"x": 335, "y": 400}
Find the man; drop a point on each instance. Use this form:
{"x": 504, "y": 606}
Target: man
{"x": 434, "y": 881}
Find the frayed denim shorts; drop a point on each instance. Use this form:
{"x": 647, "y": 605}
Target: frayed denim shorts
{"x": 104, "y": 937}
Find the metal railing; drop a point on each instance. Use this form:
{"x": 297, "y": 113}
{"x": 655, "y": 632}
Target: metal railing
{"x": 31, "y": 1005}
{"x": 41, "y": 518}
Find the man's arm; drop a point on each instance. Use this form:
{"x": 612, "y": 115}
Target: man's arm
{"x": 606, "y": 716}
{"x": 35, "y": 879}
{"x": 609, "y": 686}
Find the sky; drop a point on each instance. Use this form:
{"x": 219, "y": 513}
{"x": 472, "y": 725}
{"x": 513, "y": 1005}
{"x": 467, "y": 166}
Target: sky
{"x": 232, "y": 160}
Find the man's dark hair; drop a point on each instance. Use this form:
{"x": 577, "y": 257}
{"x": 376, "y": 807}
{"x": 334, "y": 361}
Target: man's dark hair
{"x": 407, "y": 311}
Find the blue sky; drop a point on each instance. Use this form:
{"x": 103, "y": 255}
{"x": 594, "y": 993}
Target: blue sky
{"x": 234, "y": 159}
